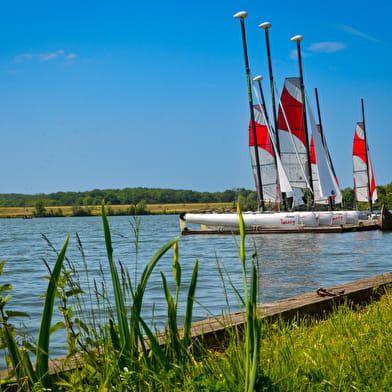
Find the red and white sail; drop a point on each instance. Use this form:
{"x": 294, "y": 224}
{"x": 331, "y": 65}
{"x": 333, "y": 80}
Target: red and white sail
{"x": 292, "y": 138}
{"x": 267, "y": 160}
{"x": 364, "y": 180}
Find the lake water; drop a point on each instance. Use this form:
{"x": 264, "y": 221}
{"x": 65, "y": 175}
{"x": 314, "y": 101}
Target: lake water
{"x": 289, "y": 264}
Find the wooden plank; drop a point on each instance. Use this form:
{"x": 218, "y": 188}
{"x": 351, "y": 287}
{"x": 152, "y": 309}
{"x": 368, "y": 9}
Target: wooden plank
{"x": 213, "y": 331}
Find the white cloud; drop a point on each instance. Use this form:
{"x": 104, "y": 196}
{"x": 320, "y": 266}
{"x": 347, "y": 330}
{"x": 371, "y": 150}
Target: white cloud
{"x": 358, "y": 33}
{"x": 22, "y": 57}
{"x": 294, "y": 54}
{"x": 318, "y": 47}
{"x": 48, "y": 56}
{"x": 326, "y": 47}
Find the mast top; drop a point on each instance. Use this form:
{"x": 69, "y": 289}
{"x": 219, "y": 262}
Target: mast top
{"x": 258, "y": 78}
{"x": 265, "y": 25}
{"x": 297, "y": 38}
{"x": 240, "y": 15}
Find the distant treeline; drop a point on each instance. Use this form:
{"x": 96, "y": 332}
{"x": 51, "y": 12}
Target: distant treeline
{"x": 134, "y": 196}
{"x": 124, "y": 196}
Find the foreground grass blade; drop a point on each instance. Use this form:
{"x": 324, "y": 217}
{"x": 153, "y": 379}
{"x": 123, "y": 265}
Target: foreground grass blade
{"x": 155, "y": 348}
{"x": 189, "y": 306}
{"x": 44, "y": 331}
{"x": 13, "y": 351}
{"x": 139, "y": 293}
{"x": 173, "y": 337}
{"x": 125, "y": 337}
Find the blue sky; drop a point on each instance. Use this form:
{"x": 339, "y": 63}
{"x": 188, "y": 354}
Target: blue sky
{"x": 115, "y": 94}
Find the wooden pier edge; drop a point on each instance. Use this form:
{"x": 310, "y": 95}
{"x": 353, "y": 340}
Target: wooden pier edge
{"x": 213, "y": 332}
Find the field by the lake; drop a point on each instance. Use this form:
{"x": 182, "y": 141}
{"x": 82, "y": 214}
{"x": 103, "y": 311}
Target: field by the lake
{"x": 169, "y": 208}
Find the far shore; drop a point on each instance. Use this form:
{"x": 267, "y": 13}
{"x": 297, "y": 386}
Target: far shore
{"x": 118, "y": 209}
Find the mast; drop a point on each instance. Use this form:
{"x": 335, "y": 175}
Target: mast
{"x": 266, "y": 26}
{"x": 330, "y": 203}
{"x": 367, "y": 159}
{"x": 321, "y": 130}
{"x": 298, "y": 39}
{"x": 258, "y": 79}
{"x": 241, "y": 16}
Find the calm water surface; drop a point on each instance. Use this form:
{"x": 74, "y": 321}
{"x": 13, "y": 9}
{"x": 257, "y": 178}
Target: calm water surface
{"x": 289, "y": 264}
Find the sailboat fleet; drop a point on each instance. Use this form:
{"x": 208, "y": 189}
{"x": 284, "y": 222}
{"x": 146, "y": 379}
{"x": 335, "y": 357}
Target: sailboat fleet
{"x": 290, "y": 169}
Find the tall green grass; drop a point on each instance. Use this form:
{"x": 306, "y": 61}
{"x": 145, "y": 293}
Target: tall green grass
{"x": 117, "y": 350}
{"x": 19, "y": 357}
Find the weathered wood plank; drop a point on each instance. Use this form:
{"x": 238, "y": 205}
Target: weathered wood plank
{"x": 213, "y": 330}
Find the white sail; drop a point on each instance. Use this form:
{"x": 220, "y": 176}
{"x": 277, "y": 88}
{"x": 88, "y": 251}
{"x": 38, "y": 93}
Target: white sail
{"x": 325, "y": 184}
{"x": 292, "y": 139}
{"x": 283, "y": 184}
{"x": 364, "y": 180}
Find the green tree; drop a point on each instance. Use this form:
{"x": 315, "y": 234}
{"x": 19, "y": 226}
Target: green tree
{"x": 39, "y": 208}
{"x": 348, "y": 198}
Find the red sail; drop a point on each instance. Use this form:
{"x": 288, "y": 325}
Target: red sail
{"x": 362, "y": 171}
{"x": 265, "y": 155}
{"x": 292, "y": 119}
{"x": 262, "y": 134}
{"x": 292, "y": 137}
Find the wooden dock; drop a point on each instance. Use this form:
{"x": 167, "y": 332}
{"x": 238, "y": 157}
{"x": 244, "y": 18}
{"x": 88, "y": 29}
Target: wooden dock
{"x": 213, "y": 331}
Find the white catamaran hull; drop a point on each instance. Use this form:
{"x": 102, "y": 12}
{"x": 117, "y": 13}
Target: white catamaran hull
{"x": 277, "y": 219}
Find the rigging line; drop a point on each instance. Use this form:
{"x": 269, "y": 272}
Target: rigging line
{"x": 325, "y": 147}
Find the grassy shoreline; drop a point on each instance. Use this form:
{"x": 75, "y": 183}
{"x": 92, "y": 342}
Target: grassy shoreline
{"x": 348, "y": 350}
{"x": 155, "y": 209}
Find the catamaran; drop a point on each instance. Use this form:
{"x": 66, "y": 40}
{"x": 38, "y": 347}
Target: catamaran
{"x": 286, "y": 167}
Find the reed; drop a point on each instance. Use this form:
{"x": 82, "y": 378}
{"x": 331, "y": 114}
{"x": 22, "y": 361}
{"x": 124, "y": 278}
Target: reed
{"x": 19, "y": 356}
{"x": 252, "y": 324}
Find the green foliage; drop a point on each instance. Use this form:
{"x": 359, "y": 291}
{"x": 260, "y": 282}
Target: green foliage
{"x": 42, "y": 355}
{"x": 39, "y": 208}
{"x": 252, "y": 323}
{"x": 19, "y": 356}
{"x": 385, "y": 196}
{"x": 139, "y": 208}
{"x": 143, "y": 196}
{"x": 77, "y": 210}
{"x": 132, "y": 196}
{"x": 247, "y": 200}
{"x": 348, "y": 198}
